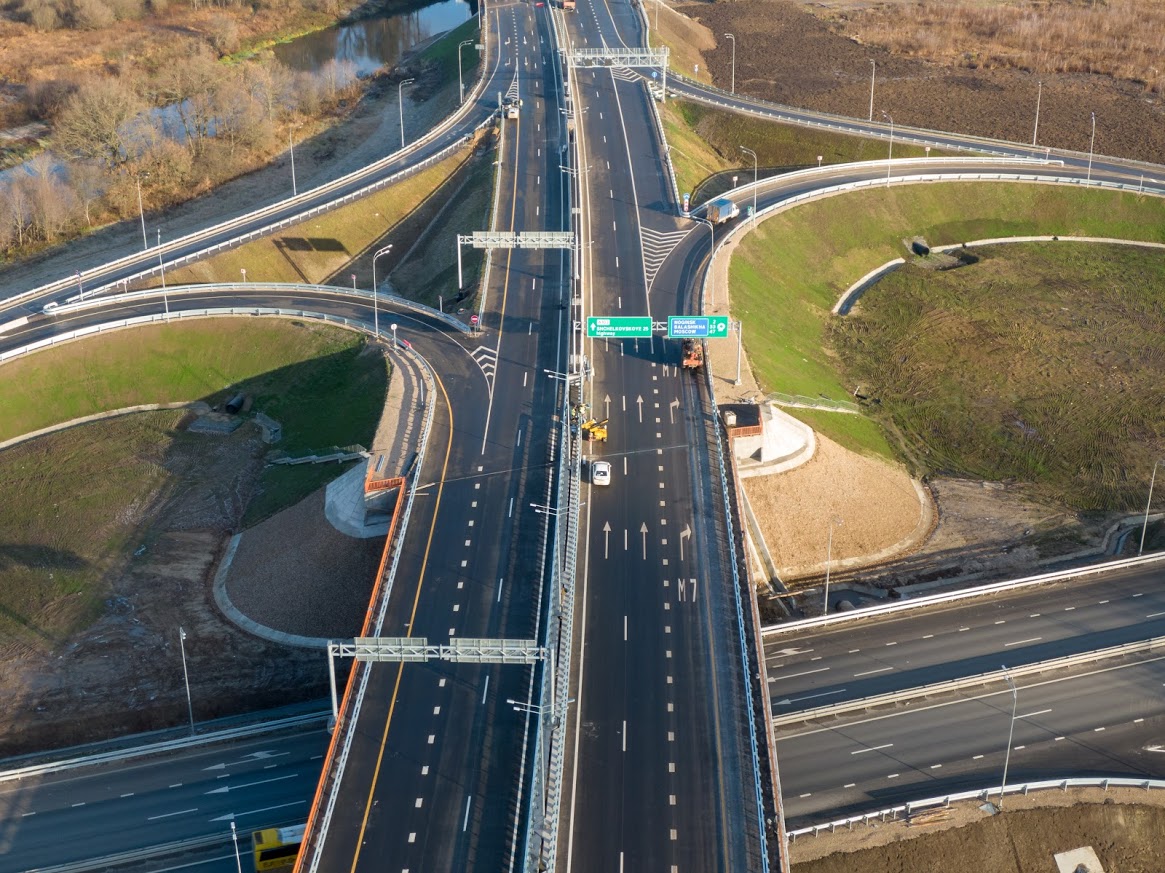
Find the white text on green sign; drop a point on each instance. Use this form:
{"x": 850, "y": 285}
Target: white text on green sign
{"x": 687, "y": 326}
{"x": 601, "y": 326}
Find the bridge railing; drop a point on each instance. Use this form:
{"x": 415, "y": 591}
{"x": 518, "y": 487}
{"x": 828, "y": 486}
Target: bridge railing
{"x": 892, "y": 813}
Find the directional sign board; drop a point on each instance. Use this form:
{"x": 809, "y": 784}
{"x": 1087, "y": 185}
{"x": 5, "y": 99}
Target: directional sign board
{"x": 618, "y": 326}
{"x": 685, "y": 326}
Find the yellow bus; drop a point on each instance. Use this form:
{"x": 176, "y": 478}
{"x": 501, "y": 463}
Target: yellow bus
{"x": 276, "y": 848}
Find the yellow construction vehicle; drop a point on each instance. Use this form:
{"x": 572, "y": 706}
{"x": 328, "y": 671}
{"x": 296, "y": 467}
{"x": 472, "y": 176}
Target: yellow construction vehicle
{"x": 595, "y": 430}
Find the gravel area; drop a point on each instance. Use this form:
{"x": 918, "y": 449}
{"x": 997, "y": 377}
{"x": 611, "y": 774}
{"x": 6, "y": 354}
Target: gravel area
{"x": 326, "y": 596}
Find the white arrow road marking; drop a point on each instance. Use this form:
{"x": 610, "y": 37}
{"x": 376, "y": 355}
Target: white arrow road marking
{"x": 227, "y": 788}
{"x": 810, "y": 697}
{"x": 643, "y": 530}
{"x": 249, "y": 759}
{"x": 606, "y": 538}
{"x": 671, "y": 408}
{"x": 684, "y": 534}
{"x": 607, "y": 402}
{"x": 639, "y": 400}
{"x": 231, "y": 816}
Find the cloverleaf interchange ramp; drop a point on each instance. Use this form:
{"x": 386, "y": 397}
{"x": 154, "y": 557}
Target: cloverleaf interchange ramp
{"x": 479, "y": 802}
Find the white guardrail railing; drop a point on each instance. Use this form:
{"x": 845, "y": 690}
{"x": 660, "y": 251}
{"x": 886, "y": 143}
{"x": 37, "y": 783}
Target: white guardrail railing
{"x": 891, "y": 813}
{"x": 893, "y": 697}
{"x": 962, "y": 594}
{"x": 255, "y": 214}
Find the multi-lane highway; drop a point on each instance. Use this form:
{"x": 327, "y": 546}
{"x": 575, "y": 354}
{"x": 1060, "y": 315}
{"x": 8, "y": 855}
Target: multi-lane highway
{"x": 918, "y": 647}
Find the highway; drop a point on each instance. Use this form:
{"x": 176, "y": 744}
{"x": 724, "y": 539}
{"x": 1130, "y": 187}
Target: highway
{"x": 660, "y": 771}
{"x": 1108, "y": 721}
{"x": 108, "y": 809}
{"x": 923, "y": 646}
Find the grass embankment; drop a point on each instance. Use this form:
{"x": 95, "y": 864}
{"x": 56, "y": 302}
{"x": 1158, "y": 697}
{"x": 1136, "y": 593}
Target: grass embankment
{"x": 426, "y": 210}
{"x": 685, "y": 39}
{"x": 788, "y": 273}
{"x": 706, "y": 145}
{"x": 78, "y": 502}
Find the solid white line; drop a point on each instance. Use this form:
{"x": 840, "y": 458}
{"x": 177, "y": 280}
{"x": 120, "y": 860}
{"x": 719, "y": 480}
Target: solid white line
{"x": 872, "y": 749}
{"x": 485, "y": 690}
{"x": 624, "y": 735}
{"x": 171, "y": 814}
{"x": 1021, "y": 642}
{"x": 872, "y": 672}
{"x": 795, "y": 675}
{"x": 1031, "y": 714}
{"x": 501, "y": 582}
{"x": 465, "y": 823}
{"x": 510, "y": 514}
{"x": 1155, "y": 614}
{"x": 624, "y": 628}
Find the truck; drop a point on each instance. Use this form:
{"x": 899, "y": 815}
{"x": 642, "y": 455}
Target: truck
{"x": 720, "y": 211}
{"x": 693, "y": 354}
{"x": 511, "y": 105}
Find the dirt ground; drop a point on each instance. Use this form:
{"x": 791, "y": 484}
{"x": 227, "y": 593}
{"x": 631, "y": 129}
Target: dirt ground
{"x": 1123, "y": 826}
{"x": 785, "y": 54}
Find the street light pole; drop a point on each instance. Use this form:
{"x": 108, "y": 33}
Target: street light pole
{"x": 1039, "y": 96}
{"x": 400, "y": 98}
{"x": 1010, "y": 733}
{"x": 142, "y": 213}
{"x": 162, "y": 269}
{"x": 755, "y": 177}
{"x": 733, "y": 38}
{"x": 873, "y": 71}
{"x": 739, "y": 343}
{"x": 828, "y": 561}
{"x": 375, "y": 308}
{"x": 460, "y": 82}
{"x": 1145, "y": 526}
{"x": 235, "y": 839}
{"x": 291, "y": 145}
{"x": 393, "y": 327}
{"x": 186, "y": 677}
{"x": 1091, "y": 143}
{"x": 890, "y": 156}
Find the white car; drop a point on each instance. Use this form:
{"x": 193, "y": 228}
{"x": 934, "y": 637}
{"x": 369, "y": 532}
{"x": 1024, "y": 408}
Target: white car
{"x": 600, "y": 472}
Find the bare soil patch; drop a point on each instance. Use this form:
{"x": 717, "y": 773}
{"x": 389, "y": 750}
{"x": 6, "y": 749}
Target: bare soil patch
{"x": 1123, "y": 826}
{"x": 785, "y": 54}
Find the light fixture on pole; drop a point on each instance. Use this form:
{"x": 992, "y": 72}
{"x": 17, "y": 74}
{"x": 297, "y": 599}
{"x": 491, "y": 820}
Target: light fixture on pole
{"x": 142, "y": 214}
{"x": 1145, "y": 525}
{"x": 291, "y": 146}
{"x": 400, "y": 98}
{"x": 375, "y": 309}
{"x": 1010, "y": 733}
{"x": 162, "y": 269}
{"x": 460, "y": 82}
{"x": 393, "y": 328}
{"x": 739, "y": 343}
{"x": 1039, "y": 96}
{"x": 243, "y": 270}
{"x": 1091, "y": 143}
{"x": 873, "y": 71}
{"x": 186, "y": 677}
{"x": 733, "y": 38}
{"x": 755, "y": 178}
{"x": 890, "y": 156}
{"x": 829, "y": 560}
{"x": 235, "y": 839}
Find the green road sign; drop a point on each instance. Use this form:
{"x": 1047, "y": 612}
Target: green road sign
{"x": 701, "y": 326}
{"x": 618, "y": 326}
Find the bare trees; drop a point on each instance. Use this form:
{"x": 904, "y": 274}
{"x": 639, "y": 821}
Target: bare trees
{"x": 95, "y": 122}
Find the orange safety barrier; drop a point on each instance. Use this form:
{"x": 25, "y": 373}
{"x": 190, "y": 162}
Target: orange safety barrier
{"x": 370, "y": 486}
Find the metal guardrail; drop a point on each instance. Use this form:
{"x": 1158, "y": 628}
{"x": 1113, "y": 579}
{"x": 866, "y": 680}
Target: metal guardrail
{"x": 420, "y": 142}
{"x": 969, "y": 681}
{"x": 137, "y": 856}
{"x": 964, "y": 594}
{"x": 983, "y": 794}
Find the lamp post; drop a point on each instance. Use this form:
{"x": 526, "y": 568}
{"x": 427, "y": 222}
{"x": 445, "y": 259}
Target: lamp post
{"x": 1010, "y": 733}
{"x": 460, "y": 82}
{"x": 1091, "y": 143}
{"x": 1039, "y": 96}
{"x": 733, "y": 38}
{"x": 1145, "y": 525}
{"x": 235, "y": 839}
{"x": 739, "y": 343}
{"x": 291, "y": 145}
{"x": 142, "y": 214}
{"x": 186, "y": 677}
{"x": 162, "y": 269}
{"x": 890, "y": 156}
{"x": 828, "y": 561}
{"x": 80, "y": 287}
{"x": 873, "y": 71}
{"x": 243, "y": 270}
{"x": 755, "y": 178}
{"x": 393, "y": 328}
{"x": 375, "y": 308}
{"x": 400, "y": 98}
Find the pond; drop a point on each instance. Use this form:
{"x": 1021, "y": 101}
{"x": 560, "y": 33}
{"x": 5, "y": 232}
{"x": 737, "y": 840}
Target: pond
{"x": 375, "y": 42}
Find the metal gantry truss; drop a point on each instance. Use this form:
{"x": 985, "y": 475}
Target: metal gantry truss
{"x": 473, "y": 650}
{"x": 621, "y": 57}
{"x": 500, "y": 239}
